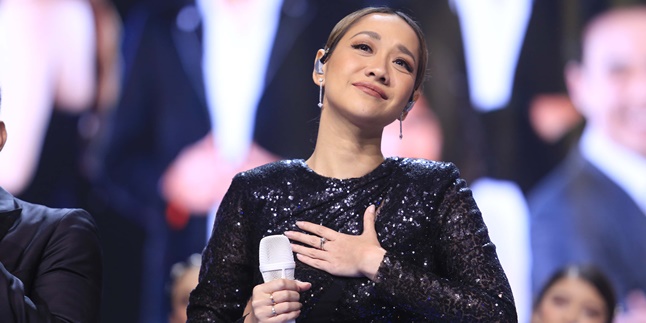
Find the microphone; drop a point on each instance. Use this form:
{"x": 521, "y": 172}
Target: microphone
{"x": 276, "y": 259}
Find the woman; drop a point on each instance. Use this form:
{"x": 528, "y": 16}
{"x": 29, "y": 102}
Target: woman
{"x": 575, "y": 294}
{"x": 419, "y": 253}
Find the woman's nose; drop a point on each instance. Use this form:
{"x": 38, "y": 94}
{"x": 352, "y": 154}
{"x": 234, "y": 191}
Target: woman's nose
{"x": 378, "y": 69}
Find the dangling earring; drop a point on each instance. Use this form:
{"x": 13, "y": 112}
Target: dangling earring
{"x": 401, "y": 119}
{"x": 321, "y": 93}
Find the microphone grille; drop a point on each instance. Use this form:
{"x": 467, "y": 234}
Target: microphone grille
{"x": 275, "y": 249}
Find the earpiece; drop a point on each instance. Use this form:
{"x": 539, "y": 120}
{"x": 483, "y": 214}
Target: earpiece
{"x": 409, "y": 106}
{"x": 318, "y": 66}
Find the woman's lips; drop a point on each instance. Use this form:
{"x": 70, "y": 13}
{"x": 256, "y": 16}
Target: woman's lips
{"x": 371, "y": 90}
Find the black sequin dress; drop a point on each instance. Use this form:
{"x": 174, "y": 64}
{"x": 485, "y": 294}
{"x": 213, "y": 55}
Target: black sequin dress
{"x": 440, "y": 265}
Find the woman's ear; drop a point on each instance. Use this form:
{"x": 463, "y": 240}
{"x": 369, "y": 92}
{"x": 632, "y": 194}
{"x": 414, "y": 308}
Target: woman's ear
{"x": 416, "y": 95}
{"x": 410, "y": 104}
{"x": 3, "y": 134}
{"x": 319, "y": 67}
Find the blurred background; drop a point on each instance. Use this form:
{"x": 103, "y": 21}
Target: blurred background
{"x": 141, "y": 112}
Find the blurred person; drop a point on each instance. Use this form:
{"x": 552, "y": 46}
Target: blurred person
{"x": 108, "y": 28}
{"x": 210, "y": 88}
{"x": 423, "y": 255}
{"x": 47, "y": 71}
{"x": 184, "y": 278}
{"x": 592, "y": 209}
{"x": 575, "y": 293}
{"x": 50, "y": 261}
{"x": 492, "y": 62}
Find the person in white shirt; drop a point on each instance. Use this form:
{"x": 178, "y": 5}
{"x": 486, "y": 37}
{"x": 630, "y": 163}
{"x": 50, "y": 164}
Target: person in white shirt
{"x": 592, "y": 209}
{"x": 47, "y": 61}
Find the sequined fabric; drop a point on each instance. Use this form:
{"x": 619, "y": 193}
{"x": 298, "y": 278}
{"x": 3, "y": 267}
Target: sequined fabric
{"x": 440, "y": 265}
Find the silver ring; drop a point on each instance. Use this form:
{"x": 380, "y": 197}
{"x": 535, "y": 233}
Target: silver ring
{"x": 322, "y": 243}
{"x": 271, "y": 297}
{"x": 273, "y": 311}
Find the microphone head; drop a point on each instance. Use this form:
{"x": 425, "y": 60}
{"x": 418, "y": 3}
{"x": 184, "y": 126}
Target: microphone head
{"x": 276, "y": 258}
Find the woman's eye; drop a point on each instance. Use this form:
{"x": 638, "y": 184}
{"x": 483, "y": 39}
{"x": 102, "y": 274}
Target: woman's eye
{"x": 560, "y": 301}
{"x": 404, "y": 64}
{"x": 592, "y": 312}
{"x": 362, "y": 47}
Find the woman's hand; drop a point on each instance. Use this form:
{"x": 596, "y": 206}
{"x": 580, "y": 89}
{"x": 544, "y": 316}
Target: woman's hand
{"x": 276, "y": 301}
{"x": 337, "y": 253}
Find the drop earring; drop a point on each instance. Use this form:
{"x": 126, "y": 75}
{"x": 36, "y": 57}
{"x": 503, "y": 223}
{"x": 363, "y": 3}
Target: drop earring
{"x": 320, "y": 93}
{"x": 401, "y": 119}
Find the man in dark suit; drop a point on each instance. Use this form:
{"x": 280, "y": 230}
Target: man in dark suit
{"x": 50, "y": 262}
{"x": 592, "y": 209}
{"x": 496, "y": 139}
{"x": 164, "y": 162}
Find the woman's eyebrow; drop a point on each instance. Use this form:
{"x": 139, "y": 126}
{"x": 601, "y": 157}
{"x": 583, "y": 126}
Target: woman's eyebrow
{"x": 405, "y": 50}
{"x": 370, "y": 34}
{"x": 376, "y": 36}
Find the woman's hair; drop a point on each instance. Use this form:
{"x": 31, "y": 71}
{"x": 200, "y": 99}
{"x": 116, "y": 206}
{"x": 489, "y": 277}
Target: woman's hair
{"x": 180, "y": 268}
{"x": 589, "y": 274}
{"x": 348, "y": 21}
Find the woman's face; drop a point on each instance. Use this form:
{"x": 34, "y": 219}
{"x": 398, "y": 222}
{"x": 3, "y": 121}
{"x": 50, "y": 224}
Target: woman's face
{"x": 571, "y": 300}
{"x": 370, "y": 76}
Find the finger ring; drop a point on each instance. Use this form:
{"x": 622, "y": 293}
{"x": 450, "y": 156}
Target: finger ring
{"x": 271, "y": 297}
{"x": 273, "y": 311}
{"x": 322, "y": 243}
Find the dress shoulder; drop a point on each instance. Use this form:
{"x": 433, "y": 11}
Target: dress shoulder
{"x": 419, "y": 169}
{"x": 268, "y": 174}
{"x": 270, "y": 170}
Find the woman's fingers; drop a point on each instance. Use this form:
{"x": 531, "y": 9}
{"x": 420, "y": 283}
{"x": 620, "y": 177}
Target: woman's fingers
{"x": 310, "y": 252}
{"x": 280, "y": 285}
{"x": 285, "y": 317}
{"x": 303, "y": 286}
{"x": 314, "y": 241}
{"x": 286, "y": 307}
{"x": 276, "y": 313}
{"x": 278, "y": 300}
{"x": 337, "y": 253}
{"x": 322, "y": 235}
{"x": 317, "y": 230}
{"x": 282, "y": 296}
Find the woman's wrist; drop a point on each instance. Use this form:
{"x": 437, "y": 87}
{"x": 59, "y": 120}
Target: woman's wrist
{"x": 371, "y": 262}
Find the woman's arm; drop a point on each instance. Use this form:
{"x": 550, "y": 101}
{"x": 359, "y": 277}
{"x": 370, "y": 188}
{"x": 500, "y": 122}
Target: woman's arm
{"x": 226, "y": 292}
{"x": 226, "y": 276}
{"x": 472, "y": 285}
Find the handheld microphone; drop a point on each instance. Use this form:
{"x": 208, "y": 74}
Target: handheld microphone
{"x": 276, "y": 259}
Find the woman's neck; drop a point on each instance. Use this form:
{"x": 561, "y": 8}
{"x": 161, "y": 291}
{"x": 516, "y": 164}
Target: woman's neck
{"x": 343, "y": 152}
{"x": 343, "y": 165}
